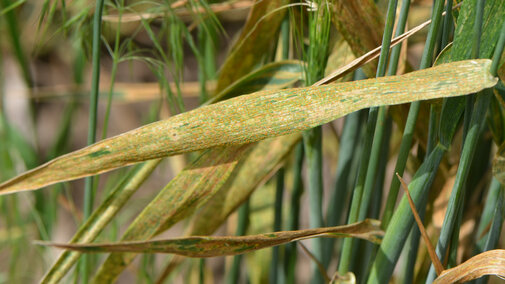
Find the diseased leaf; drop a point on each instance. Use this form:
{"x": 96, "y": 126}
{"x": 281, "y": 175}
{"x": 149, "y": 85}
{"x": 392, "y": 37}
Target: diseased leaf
{"x": 255, "y": 117}
{"x": 219, "y": 246}
{"x": 368, "y": 57}
{"x": 499, "y": 164}
{"x": 154, "y": 219}
{"x": 258, "y": 34}
{"x": 339, "y": 56}
{"x": 95, "y": 224}
{"x": 501, "y": 70}
{"x": 487, "y": 263}
{"x": 255, "y": 169}
{"x": 264, "y": 156}
{"x": 184, "y": 194}
{"x": 280, "y": 75}
{"x": 361, "y": 24}
{"x": 277, "y": 75}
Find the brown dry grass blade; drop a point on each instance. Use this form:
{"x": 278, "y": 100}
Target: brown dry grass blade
{"x": 273, "y": 76}
{"x": 431, "y": 251}
{"x": 487, "y": 263}
{"x": 205, "y": 246}
{"x": 123, "y": 92}
{"x": 501, "y": 71}
{"x": 499, "y": 164}
{"x": 319, "y": 265}
{"x": 231, "y": 6}
{"x": 256, "y": 117}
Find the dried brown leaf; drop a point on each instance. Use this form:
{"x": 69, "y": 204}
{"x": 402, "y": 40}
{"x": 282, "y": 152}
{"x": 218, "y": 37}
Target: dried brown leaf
{"x": 205, "y": 246}
{"x": 487, "y": 263}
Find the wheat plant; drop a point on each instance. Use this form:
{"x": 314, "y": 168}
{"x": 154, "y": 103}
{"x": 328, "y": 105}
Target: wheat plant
{"x": 252, "y": 141}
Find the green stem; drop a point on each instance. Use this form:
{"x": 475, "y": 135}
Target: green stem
{"x": 477, "y": 32}
{"x": 488, "y": 213}
{"x": 312, "y": 140}
{"x": 317, "y": 57}
{"x": 115, "y": 61}
{"x": 493, "y": 236}
{"x": 468, "y": 151}
{"x": 396, "y": 234}
{"x": 454, "y": 238}
{"x": 370, "y": 249}
{"x": 285, "y": 37}
{"x": 202, "y": 74}
{"x": 455, "y": 201}
{"x": 412, "y": 248}
{"x": 448, "y": 24}
{"x": 371, "y": 151}
{"x": 413, "y": 243}
{"x": 346, "y": 152}
{"x": 201, "y": 271}
{"x": 207, "y": 64}
{"x": 432, "y": 129}
{"x": 279, "y": 192}
{"x": 294, "y": 216}
{"x": 498, "y": 52}
{"x": 93, "y": 106}
{"x": 243, "y": 223}
{"x": 408, "y": 133}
